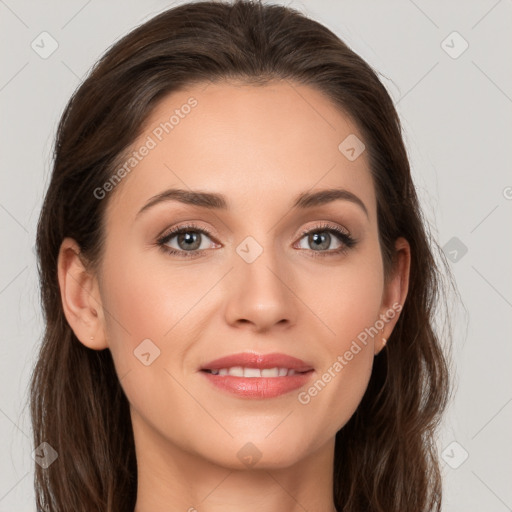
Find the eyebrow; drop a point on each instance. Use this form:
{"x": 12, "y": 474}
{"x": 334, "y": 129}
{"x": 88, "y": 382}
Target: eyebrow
{"x": 216, "y": 201}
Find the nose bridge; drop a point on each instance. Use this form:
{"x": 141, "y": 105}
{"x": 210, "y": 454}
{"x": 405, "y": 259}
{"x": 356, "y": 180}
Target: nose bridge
{"x": 259, "y": 291}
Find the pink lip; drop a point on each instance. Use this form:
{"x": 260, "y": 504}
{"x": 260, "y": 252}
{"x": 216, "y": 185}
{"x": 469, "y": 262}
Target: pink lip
{"x": 256, "y": 387}
{"x": 261, "y": 361}
{"x": 259, "y": 387}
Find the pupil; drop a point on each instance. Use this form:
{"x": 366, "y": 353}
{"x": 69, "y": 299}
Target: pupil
{"x": 320, "y": 239}
{"x": 190, "y": 239}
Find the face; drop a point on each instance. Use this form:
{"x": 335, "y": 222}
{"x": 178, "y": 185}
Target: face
{"x": 268, "y": 266}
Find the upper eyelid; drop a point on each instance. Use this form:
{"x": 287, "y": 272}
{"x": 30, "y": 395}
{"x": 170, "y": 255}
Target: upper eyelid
{"x": 325, "y": 225}
{"x": 190, "y": 227}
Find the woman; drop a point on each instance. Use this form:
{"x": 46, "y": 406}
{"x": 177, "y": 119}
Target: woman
{"x": 238, "y": 286}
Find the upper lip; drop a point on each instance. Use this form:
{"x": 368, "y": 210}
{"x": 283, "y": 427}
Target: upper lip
{"x": 261, "y": 361}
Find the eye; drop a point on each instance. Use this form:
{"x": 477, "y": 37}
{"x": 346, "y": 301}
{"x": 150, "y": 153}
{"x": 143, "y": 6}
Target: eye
{"x": 320, "y": 238}
{"x": 189, "y": 240}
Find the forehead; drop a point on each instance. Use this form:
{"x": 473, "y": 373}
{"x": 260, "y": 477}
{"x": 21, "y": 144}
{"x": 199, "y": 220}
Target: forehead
{"x": 257, "y": 145}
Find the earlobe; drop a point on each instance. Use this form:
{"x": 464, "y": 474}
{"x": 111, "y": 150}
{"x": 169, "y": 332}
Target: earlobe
{"x": 81, "y": 301}
{"x": 395, "y": 292}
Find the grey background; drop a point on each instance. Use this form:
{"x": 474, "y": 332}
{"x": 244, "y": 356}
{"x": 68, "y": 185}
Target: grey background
{"x": 456, "y": 118}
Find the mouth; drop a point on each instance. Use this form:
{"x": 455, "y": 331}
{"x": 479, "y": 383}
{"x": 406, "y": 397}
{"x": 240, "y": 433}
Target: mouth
{"x": 250, "y": 375}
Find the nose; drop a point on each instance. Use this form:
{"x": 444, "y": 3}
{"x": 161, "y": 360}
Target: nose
{"x": 260, "y": 294}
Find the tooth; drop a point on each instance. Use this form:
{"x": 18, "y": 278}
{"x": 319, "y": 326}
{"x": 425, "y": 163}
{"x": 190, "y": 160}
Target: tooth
{"x": 240, "y": 371}
{"x": 236, "y": 371}
{"x": 252, "y": 372}
{"x": 270, "y": 372}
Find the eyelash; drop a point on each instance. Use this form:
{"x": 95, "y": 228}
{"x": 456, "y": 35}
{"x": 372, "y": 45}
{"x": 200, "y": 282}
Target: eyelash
{"x": 346, "y": 239}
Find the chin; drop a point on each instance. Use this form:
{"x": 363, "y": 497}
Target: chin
{"x": 258, "y": 452}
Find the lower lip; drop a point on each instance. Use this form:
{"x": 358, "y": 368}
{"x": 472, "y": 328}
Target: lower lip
{"x": 258, "y": 387}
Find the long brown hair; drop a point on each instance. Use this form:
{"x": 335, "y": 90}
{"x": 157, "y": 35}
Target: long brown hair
{"x": 385, "y": 456}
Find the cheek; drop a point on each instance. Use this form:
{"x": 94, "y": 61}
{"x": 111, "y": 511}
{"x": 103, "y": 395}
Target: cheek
{"x": 148, "y": 311}
{"x": 350, "y": 308}
{"x": 147, "y": 297}
{"x": 139, "y": 305}
{"x": 340, "y": 384}
{"x": 346, "y": 296}
{"x": 153, "y": 308}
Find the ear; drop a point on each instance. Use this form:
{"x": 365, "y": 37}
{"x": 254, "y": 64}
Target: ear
{"x": 80, "y": 296}
{"x": 395, "y": 291}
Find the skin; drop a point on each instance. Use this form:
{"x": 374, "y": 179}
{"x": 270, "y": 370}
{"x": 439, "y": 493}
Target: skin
{"x": 260, "y": 147}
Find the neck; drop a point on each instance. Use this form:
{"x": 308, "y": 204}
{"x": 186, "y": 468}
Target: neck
{"x": 171, "y": 479}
